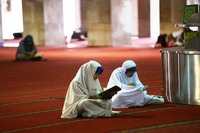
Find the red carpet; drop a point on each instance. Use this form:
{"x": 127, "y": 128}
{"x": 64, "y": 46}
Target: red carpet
{"x": 31, "y": 93}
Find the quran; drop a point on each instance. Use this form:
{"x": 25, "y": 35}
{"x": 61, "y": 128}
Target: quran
{"x": 189, "y": 10}
{"x": 107, "y": 94}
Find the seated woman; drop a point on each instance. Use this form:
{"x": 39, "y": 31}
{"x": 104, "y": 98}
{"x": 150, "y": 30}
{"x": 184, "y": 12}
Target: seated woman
{"x": 27, "y": 51}
{"x": 82, "y": 97}
{"x": 132, "y": 91}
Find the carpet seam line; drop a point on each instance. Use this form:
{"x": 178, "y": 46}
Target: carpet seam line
{"x": 87, "y": 119}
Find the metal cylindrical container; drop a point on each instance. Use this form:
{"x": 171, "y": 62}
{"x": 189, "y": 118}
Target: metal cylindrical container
{"x": 172, "y": 63}
{"x": 191, "y": 84}
{"x": 181, "y": 75}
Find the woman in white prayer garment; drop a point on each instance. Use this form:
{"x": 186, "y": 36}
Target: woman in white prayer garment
{"x": 82, "y": 97}
{"x": 132, "y": 91}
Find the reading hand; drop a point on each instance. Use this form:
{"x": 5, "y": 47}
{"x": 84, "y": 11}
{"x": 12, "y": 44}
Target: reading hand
{"x": 131, "y": 84}
{"x": 95, "y": 97}
{"x": 145, "y": 87}
{"x": 119, "y": 85}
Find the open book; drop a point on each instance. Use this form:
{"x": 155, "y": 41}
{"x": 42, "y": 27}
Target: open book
{"x": 107, "y": 94}
{"x": 39, "y": 54}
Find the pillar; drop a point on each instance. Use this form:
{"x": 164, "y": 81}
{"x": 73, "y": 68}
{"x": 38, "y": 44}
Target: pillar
{"x": 121, "y": 22}
{"x": 53, "y": 22}
{"x": 171, "y": 13}
{"x": 134, "y": 18}
{"x": 99, "y": 23}
{"x": 33, "y": 20}
{"x": 1, "y": 30}
{"x": 144, "y": 18}
{"x": 108, "y": 22}
{"x": 83, "y": 14}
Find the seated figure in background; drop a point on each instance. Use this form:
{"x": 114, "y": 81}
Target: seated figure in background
{"x": 132, "y": 91}
{"x": 173, "y": 39}
{"x": 27, "y": 51}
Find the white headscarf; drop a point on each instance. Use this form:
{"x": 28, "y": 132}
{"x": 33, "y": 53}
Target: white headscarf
{"x": 127, "y": 64}
{"x": 81, "y": 87}
{"x": 118, "y": 76}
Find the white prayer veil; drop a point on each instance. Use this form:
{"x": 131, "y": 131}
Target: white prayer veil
{"x": 128, "y": 64}
{"x": 81, "y": 87}
{"x": 118, "y": 76}
{"x": 85, "y": 75}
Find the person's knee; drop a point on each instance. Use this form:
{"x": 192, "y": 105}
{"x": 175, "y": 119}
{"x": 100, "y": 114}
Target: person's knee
{"x": 22, "y": 57}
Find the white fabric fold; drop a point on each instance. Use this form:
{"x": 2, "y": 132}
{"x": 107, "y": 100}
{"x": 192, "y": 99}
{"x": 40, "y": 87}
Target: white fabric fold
{"x": 83, "y": 86}
{"x": 129, "y": 96}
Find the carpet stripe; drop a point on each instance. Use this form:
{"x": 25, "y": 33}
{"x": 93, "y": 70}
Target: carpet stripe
{"x": 30, "y": 113}
{"x": 157, "y": 126}
{"x": 31, "y": 84}
{"x": 63, "y": 80}
{"x": 58, "y": 109}
{"x": 52, "y": 89}
{"x": 81, "y": 120}
{"x": 32, "y": 92}
{"x": 22, "y": 102}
